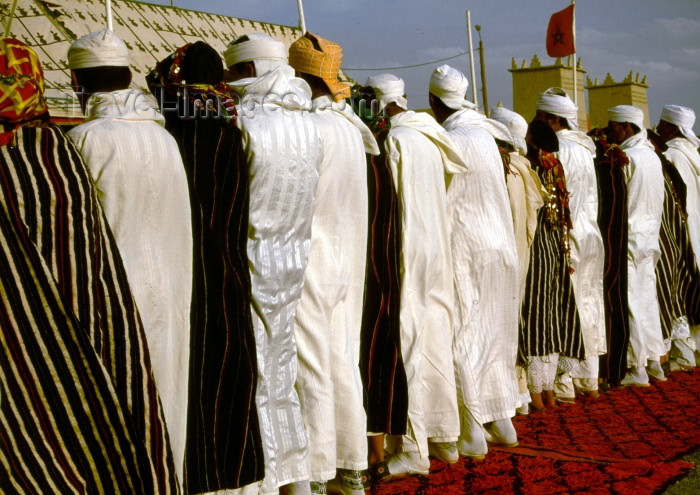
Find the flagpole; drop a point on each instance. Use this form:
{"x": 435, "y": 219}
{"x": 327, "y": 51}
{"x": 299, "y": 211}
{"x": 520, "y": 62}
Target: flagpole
{"x": 108, "y": 9}
{"x": 573, "y": 3}
{"x": 302, "y": 22}
{"x": 471, "y": 56}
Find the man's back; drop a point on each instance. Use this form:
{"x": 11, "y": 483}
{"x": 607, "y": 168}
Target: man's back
{"x": 141, "y": 184}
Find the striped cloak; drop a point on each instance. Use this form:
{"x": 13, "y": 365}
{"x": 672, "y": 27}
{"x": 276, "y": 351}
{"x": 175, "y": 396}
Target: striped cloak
{"x": 224, "y": 447}
{"x": 677, "y": 276}
{"x": 612, "y": 220}
{"x": 381, "y": 364}
{"x": 79, "y": 412}
{"x": 549, "y": 320}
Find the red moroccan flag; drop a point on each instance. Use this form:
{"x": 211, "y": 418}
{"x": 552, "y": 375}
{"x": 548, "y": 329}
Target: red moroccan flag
{"x": 560, "y": 33}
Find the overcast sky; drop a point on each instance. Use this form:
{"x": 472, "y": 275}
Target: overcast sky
{"x": 656, "y": 38}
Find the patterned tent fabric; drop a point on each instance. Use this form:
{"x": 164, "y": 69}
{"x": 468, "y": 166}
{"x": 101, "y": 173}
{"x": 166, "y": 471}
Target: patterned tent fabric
{"x": 79, "y": 411}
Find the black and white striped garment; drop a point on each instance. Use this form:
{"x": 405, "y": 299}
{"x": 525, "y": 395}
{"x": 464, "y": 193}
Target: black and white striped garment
{"x": 677, "y": 276}
{"x": 549, "y": 320}
{"x": 224, "y": 445}
{"x": 79, "y": 412}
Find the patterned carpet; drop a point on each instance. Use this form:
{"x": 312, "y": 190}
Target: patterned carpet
{"x": 629, "y": 441}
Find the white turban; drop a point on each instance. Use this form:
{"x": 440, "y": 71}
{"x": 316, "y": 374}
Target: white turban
{"x": 515, "y": 123}
{"x": 389, "y": 89}
{"x": 99, "y": 49}
{"x": 258, "y": 47}
{"x": 684, "y": 118}
{"x": 450, "y": 85}
{"x": 627, "y": 113}
{"x": 557, "y": 102}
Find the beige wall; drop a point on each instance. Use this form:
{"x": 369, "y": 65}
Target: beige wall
{"x": 530, "y": 81}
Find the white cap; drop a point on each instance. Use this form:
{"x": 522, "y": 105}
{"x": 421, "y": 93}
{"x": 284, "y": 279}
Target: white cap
{"x": 450, "y": 85}
{"x": 389, "y": 89}
{"x": 515, "y": 123}
{"x": 684, "y": 118}
{"x": 557, "y": 102}
{"x": 98, "y": 49}
{"x": 259, "y": 46}
{"x": 627, "y": 113}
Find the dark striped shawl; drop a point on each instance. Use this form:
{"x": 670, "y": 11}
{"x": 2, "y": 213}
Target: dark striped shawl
{"x": 79, "y": 412}
{"x": 224, "y": 446}
{"x": 549, "y": 320}
{"x": 381, "y": 365}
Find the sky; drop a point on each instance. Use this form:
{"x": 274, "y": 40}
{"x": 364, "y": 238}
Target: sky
{"x": 659, "y": 39}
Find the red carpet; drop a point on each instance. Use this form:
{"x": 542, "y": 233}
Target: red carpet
{"x": 629, "y": 441}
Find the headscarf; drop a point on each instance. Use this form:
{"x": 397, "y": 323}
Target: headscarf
{"x": 264, "y": 51}
{"x": 557, "y": 102}
{"x": 389, "y": 89}
{"x": 684, "y": 119}
{"x": 450, "y": 85}
{"x": 193, "y": 72}
{"x": 515, "y": 123}
{"x": 98, "y": 49}
{"x": 21, "y": 87}
{"x": 323, "y": 62}
{"x": 627, "y": 113}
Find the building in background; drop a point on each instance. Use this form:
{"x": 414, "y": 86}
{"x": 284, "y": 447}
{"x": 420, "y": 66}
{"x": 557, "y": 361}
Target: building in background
{"x": 631, "y": 91}
{"x": 530, "y": 81}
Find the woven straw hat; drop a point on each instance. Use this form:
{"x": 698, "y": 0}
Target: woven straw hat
{"x": 323, "y": 62}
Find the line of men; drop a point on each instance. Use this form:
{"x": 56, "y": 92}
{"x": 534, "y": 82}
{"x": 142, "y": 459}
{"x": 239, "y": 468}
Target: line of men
{"x": 255, "y": 311}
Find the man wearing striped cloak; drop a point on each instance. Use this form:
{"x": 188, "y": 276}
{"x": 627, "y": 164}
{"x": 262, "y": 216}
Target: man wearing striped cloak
{"x": 576, "y": 153}
{"x": 224, "y": 445}
{"x": 676, "y": 131}
{"x": 79, "y": 411}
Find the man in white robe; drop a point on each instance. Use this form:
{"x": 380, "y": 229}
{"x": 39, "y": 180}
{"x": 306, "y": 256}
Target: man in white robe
{"x": 329, "y": 315}
{"x": 486, "y": 270}
{"x": 676, "y": 130}
{"x": 284, "y": 152}
{"x": 420, "y": 154}
{"x": 576, "y": 154}
{"x": 645, "y": 200}
{"x": 527, "y": 195}
{"x": 141, "y": 183}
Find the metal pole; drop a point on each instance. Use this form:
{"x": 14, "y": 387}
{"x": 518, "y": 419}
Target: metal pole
{"x": 10, "y": 16}
{"x": 471, "y": 57}
{"x": 302, "y": 22}
{"x": 484, "y": 92}
{"x": 573, "y": 29}
{"x": 108, "y": 8}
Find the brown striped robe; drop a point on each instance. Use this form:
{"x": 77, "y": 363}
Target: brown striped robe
{"x": 79, "y": 412}
{"x": 612, "y": 220}
{"x": 381, "y": 364}
{"x": 224, "y": 446}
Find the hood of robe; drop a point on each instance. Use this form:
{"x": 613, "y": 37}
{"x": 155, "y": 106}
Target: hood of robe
{"x": 578, "y": 137}
{"x": 324, "y": 103}
{"x": 686, "y": 147}
{"x": 427, "y": 125}
{"x": 469, "y": 116}
{"x": 125, "y": 104}
{"x": 638, "y": 140}
{"x": 276, "y": 88}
